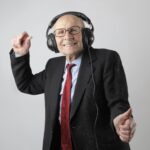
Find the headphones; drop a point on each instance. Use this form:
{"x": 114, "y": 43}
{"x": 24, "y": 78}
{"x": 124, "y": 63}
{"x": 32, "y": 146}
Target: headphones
{"x": 87, "y": 33}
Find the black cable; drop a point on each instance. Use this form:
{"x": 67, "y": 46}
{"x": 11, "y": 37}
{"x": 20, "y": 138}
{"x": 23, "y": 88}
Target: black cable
{"x": 94, "y": 86}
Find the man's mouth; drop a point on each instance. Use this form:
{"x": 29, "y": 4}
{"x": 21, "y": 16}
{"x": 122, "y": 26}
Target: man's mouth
{"x": 69, "y": 43}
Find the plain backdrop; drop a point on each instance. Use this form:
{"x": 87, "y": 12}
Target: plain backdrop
{"x": 121, "y": 25}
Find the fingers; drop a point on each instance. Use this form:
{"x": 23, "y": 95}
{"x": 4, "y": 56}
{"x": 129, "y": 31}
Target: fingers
{"x": 133, "y": 128}
{"x": 18, "y": 41}
{"x": 125, "y": 135}
{"x": 21, "y": 43}
{"x": 27, "y": 40}
{"x": 126, "y": 131}
{"x": 21, "y": 39}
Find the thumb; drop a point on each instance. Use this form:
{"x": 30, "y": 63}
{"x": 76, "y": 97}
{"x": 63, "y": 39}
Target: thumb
{"x": 27, "y": 41}
{"x": 126, "y": 115}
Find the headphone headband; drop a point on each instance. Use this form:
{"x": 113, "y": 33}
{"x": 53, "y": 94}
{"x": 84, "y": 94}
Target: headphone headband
{"x": 78, "y": 14}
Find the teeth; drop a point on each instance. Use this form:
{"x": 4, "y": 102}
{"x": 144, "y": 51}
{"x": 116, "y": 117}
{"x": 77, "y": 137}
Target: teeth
{"x": 69, "y": 44}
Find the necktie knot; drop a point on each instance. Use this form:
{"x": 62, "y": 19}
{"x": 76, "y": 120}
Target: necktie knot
{"x": 69, "y": 66}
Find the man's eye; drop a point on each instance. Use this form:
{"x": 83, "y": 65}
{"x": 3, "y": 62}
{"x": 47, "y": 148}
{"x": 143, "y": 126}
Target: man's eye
{"x": 73, "y": 30}
{"x": 60, "y": 32}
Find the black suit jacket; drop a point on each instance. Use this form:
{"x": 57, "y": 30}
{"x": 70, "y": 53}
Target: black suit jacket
{"x": 91, "y": 118}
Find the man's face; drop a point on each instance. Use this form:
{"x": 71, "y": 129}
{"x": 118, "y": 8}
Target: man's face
{"x": 69, "y": 44}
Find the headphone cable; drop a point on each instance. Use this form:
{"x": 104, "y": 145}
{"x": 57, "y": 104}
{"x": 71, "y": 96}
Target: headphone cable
{"x": 94, "y": 86}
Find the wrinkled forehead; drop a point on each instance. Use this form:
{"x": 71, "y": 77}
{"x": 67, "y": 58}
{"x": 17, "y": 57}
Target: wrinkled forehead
{"x": 68, "y": 21}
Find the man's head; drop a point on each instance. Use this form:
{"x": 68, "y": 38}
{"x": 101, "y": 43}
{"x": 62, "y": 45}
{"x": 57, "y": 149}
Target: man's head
{"x": 68, "y": 34}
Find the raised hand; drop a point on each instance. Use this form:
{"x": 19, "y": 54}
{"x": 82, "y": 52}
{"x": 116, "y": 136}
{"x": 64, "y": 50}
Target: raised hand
{"x": 21, "y": 43}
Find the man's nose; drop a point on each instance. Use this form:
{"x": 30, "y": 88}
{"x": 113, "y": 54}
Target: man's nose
{"x": 68, "y": 35}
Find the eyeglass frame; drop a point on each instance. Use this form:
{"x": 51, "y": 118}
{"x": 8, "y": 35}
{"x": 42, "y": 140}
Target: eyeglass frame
{"x": 80, "y": 28}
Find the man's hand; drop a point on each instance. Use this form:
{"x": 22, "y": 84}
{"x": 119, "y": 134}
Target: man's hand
{"x": 21, "y": 43}
{"x": 125, "y": 125}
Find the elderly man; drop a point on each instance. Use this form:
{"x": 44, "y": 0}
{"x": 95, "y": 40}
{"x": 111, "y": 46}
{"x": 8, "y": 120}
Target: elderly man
{"x": 86, "y": 95}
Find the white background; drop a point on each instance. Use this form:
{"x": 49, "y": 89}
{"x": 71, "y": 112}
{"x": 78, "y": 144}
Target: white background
{"x": 121, "y": 25}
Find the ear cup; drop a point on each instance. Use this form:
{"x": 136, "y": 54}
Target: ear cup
{"x": 51, "y": 43}
{"x": 87, "y": 38}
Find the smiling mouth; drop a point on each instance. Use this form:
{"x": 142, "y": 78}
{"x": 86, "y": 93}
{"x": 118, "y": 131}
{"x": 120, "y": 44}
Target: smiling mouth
{"x": 70, "y": 44}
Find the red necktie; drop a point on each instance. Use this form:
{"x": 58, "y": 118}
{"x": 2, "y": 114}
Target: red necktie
{"x": 66, "y": 143}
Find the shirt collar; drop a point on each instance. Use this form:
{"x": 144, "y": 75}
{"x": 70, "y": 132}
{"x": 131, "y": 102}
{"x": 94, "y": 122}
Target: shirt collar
{"x": 77, "y": 61}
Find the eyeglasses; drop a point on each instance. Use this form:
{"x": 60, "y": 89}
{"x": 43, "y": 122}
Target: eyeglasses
{"x": 62, "y": 31}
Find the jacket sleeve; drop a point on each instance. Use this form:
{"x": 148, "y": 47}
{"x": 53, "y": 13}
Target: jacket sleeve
{"x": 115, "y": 85}
{"x": 26, "y": 82}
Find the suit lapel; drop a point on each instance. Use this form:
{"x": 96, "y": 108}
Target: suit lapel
{"x": 83, "y": 78}
{"x": 53, "y": 88}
